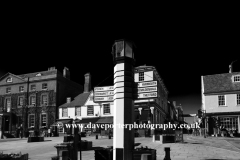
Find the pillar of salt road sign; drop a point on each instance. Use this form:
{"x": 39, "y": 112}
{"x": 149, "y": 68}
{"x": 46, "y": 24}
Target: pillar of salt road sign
{"x": 123, "y": 139}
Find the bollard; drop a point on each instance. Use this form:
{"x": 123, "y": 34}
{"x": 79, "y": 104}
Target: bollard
{"x": 167, "y": 153}
{"x": 96, "y": 136}
{"x": 109, "y": 137}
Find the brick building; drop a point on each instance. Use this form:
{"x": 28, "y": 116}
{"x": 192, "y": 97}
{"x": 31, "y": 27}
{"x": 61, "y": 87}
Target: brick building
{"x": 33, "y": 99}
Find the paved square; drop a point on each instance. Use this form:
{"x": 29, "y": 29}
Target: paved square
{"x": 192, "y": 148}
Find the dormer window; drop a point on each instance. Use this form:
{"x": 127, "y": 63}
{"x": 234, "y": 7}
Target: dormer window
{"x": 236, "y": 78}
{"x": 9, "y": 79}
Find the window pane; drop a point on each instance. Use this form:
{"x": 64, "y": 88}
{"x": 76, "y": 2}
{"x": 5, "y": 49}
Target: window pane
{"x": 90, "y": 110}
{"x": 44, "y": 99}
{"x": 106, "y": 108}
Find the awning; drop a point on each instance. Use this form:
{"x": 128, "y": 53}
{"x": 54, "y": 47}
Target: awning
{"x": 105, "y": 120}
{"x": 88, "y": 120}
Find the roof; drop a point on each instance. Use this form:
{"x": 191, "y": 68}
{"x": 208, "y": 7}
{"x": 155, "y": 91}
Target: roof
{"x": 7, "y": 74}
{"x": 220, "y": 83}
{"x": 78, "y": 101}
{"x": 43, "y": 73}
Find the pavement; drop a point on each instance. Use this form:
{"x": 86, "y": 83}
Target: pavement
{"x": 193, "y": 147}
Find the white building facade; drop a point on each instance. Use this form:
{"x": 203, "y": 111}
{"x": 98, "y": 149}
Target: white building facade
{"x": 221, "y": 100}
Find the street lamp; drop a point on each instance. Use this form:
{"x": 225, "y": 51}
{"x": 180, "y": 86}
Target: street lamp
{"x": 123, "y": 59}
{"x": 122, "y": 50}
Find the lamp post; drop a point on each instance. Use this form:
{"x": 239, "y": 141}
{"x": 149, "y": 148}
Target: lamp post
{"x": 123, "y": 140}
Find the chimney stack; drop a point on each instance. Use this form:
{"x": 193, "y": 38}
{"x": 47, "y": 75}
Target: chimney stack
{"x": 69, "y": 100}
{"x": 87, "y": 85}
{"x": 66, "y": 73}
{"x": 230, "y": 68}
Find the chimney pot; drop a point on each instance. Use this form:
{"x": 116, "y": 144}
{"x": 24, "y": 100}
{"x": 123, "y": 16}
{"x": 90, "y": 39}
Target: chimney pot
{"x": 66, "y": 73}
{"x": 68, "y": 99}
{"x": 230, "y": 68}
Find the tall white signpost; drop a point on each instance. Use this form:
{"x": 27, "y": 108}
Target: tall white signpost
{"x": 123, "y": 139}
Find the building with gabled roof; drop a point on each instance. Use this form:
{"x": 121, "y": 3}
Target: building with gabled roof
{"x": 221, "y": 100}
{"x": 84, "y": 110}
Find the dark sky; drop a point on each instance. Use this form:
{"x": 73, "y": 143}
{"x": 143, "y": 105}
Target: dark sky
{"x": 181, "y": 46}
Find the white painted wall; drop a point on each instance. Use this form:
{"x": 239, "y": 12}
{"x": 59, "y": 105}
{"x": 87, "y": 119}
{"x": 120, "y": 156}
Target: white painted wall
{"x": 211, "y": 104}
{"x": 98, "y": 109}
{"x": 148, "y": 76}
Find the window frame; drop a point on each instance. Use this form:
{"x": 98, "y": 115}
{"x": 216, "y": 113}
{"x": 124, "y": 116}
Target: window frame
{"x": 29, "y": 120}
{"x": 42, "y": 102}
{"x": 21, "y": 88}
{"x": 41, "y": 119}
{"x": 8, "y": 90}
{"x": 19, "y": 100}
{"x": 106, "y": 105}
{"x": 9, "y": 80}
{"x": 141, "y": 76}
{"x": 238, "y": 99}
{"x": 88, "y": 110}
{"x": 30, "y": 102}
{"x": 63, "y": 112}
{"x": 221, "y": 100}
{"x": 77, "y": 111}
{"x": 43, "y": 86}
{"x": 34, "y": 87}
{"x": 236, "y": 78}
{"x": 8, "y": 108}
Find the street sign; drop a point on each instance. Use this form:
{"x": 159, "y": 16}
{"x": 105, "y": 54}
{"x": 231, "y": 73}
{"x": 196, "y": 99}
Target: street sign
{"x": 103, "y": 99}
{"x": 147, "y": 84}
{"x": 146, "y": 95}
{"x": 103, "y": 94}
{"x": 100, "y": 89}
{"x": 147, "y": 89}
{"x": 107, "y": 93}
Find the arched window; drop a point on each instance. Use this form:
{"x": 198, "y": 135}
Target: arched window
{"x": 9, "y": 79}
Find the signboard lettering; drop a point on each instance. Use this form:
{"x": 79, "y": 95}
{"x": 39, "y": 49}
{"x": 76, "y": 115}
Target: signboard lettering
{"x": 147, "y": 84}
{"x": 103, "y": 94}
{"x": 99, "y": 89}
{"x": 147, "y": 95}
{"x": 110, "y": 98}
{"x": 147, "y": 89}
